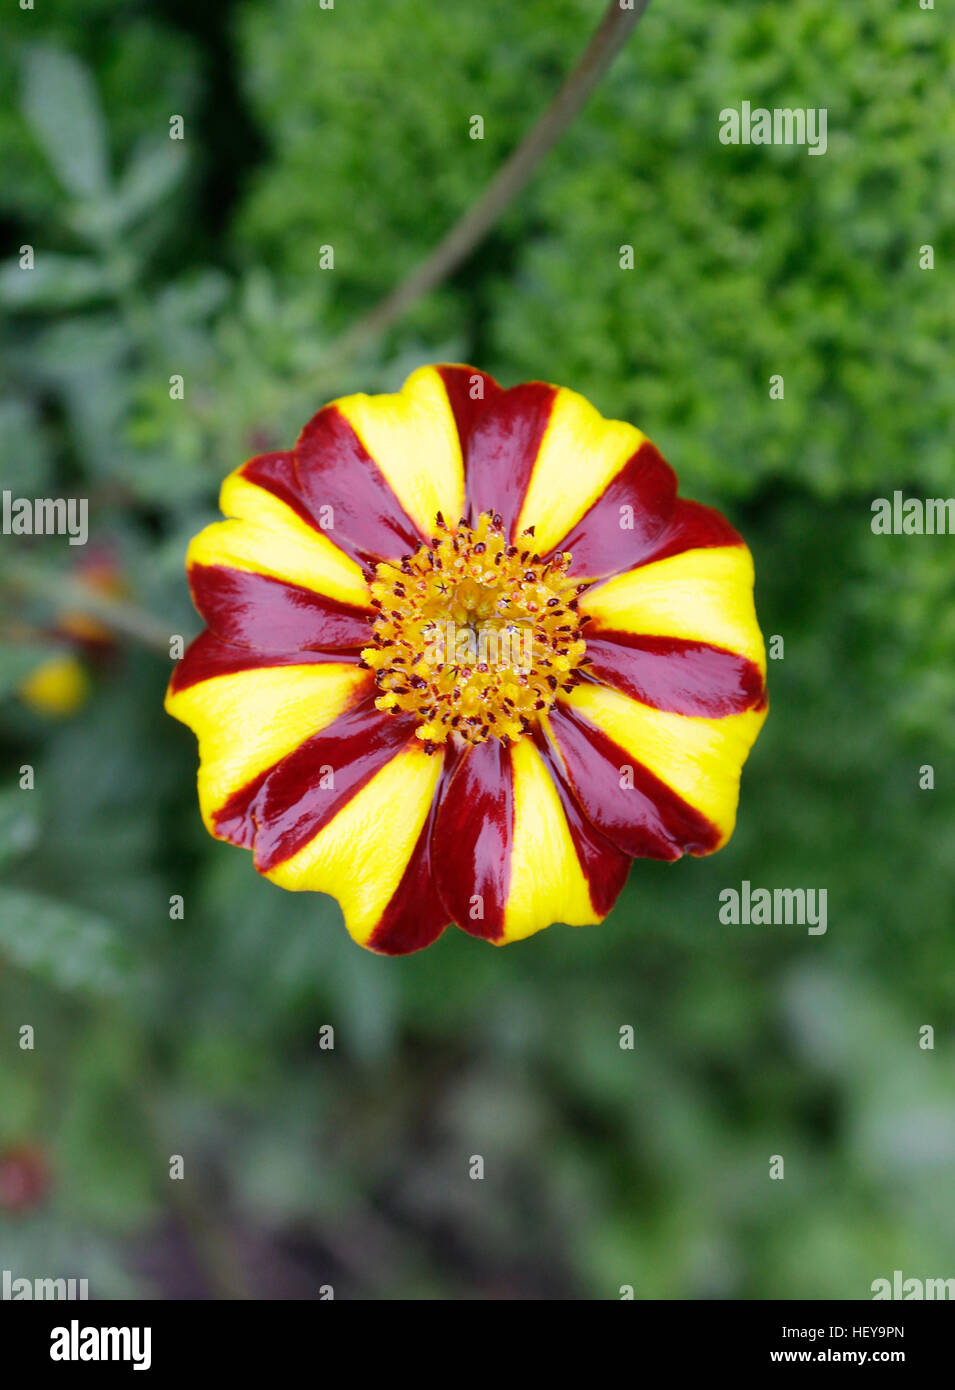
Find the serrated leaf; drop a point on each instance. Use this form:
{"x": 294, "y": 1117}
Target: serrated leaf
{"x": 63, "y": 109}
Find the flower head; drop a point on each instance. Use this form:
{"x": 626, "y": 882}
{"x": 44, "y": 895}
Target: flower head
{"x": 467, "y": 655}
{"x": 58, "y": 686}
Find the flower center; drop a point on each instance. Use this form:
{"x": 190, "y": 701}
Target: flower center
{"x": 474, "y": 636}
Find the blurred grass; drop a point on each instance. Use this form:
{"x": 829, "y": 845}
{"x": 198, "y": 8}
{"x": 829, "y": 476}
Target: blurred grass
{"x": 200, "y": 1037}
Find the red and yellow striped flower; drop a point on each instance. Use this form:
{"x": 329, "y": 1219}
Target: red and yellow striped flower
{"x": 478, "y": 721}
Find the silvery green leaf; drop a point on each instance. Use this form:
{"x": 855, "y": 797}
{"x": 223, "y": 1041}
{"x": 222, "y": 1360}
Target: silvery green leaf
{"x": 55, "y": 282}
{"x": 63, "y": 109}
{"x": 152, "y": 172}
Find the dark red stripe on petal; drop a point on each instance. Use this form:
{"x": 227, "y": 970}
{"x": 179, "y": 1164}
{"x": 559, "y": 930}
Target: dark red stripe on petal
{"x": 235, "y": 820}
{"x": 291, "y": 803}
{"x": 674, "y": 673}
{"x": 276, "y": 474}
{"x": 336, "y": 472}
{"x": 472, "y": 837}
{"x": 255, "y": 610}
{"x": 209, "y": 656}
{"x": 605, "y": 866}
{"x": 623, "y": 525}
{"x": 415, "y": 916}
{"x": 500, "y": 438}
{"x": 646, "y": 820}
{"x": 692, "y": 527}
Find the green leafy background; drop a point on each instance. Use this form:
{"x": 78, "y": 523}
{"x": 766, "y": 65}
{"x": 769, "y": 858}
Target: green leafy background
{"x": 306, "y": 1166}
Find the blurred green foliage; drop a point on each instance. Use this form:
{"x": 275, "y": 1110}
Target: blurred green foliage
{"x": 200, "y": 1037}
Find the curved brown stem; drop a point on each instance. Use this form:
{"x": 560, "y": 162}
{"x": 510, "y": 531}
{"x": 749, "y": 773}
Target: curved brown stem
{"x": 615, "y": 28}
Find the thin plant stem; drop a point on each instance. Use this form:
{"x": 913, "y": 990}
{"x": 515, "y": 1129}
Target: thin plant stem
{"x": 70, "y": 595}
{"x": 468, "y": 231}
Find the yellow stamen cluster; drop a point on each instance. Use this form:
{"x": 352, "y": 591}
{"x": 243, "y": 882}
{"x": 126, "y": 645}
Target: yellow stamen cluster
{"x": 474, "y": 636}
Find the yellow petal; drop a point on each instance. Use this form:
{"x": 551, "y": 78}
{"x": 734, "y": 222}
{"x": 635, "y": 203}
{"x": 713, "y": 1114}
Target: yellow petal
{"x": 579, "y": 455}
{"x": 547, "y": 883}
{"x": 700, "y": 759}
{"x": 413, "y": 438}
{"x": 703, "y": 595}
{"x": 359, "y": 857}
{"x": 265, "y": 536}
{"x": 248, "y": 720}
